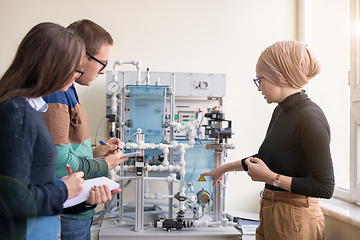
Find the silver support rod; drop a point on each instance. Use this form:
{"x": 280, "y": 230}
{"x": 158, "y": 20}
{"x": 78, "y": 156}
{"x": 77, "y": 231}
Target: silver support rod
{"x": 223, "y": 154}
{"x": 172, "y": 112}
{"x": 139, "y": 191}
{"x": 122, "y": 109}
{"x": 139, "y": 204}
{"x": 217, "y": 194}
{"x": 121, "y": 128}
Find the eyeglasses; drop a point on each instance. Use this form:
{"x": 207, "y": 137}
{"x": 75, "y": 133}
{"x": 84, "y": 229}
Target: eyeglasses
{"x": 257, "y": 81}
{"x": 94, "y": 58}
{"x": 78, "y": 73}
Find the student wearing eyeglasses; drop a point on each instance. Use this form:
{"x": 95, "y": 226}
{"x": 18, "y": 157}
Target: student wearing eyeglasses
{"x": 31, "y": 199}
{"x": 68, "y": 124}
{"x": 294, "y": 160}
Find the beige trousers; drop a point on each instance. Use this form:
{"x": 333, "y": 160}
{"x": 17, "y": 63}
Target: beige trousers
{"x": 282, "y": 221}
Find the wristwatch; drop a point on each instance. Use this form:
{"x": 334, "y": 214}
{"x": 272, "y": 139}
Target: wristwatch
{"x": 276, "y": 181}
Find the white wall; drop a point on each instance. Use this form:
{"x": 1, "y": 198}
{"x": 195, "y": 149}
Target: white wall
{"x": 202, "y": 36}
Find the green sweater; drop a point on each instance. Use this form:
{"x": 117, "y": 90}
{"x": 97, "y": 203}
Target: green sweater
{"x": 68, "y": 125}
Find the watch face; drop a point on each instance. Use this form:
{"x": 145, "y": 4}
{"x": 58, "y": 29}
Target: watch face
{"x": 276, "y": 183}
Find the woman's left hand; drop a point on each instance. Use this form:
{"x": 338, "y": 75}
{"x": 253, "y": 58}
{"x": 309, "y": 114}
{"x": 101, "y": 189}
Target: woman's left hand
{"x": 258, "y": 170}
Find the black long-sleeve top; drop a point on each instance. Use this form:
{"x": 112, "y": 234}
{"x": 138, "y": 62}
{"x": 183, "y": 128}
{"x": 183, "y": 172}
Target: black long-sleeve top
{"x": 297, "y": 144}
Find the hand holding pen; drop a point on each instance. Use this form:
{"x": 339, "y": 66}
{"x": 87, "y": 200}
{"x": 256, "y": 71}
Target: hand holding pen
{"x": 112, "y": 150}
{"x": 74, "y": 182}
{"x": 97, "y": 195}
{"x": 107, "y": 148}
{"x": 104, "y": 143}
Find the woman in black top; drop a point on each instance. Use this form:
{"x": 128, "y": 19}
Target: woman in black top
{"x": 294, "y": 159}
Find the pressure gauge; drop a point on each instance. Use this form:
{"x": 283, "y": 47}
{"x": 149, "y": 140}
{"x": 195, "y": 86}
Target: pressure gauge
{"x": 113, "y": 86}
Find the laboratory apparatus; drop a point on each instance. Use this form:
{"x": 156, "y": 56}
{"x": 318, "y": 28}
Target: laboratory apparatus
{"x": 176, "y": 123}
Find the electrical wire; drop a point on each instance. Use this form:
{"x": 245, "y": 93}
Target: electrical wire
{"x": 120, "y": 225}
{"x": 202, "y": 214}
{"x": 130, "y": 136}
{"x": 97, "y": 130}
{"x": 127, "y": 134}
{"x": 103, "y": 212}
{"x": 116, "y": 225}
{"x": 143, "y": 80}
{"x": 190, "y": 177}
{"x": 197, "y": 130}
{"x": 195, "y": 208}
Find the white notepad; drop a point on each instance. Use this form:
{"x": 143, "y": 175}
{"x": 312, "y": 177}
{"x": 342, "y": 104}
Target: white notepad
{"x": 88, "y": 184}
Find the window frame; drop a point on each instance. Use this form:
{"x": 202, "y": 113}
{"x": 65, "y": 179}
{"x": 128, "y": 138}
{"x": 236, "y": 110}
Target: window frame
{"x": 354, "y": 82}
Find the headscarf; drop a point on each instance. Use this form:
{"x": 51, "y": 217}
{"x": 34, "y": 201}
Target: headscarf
{"x": 288, "y": 63}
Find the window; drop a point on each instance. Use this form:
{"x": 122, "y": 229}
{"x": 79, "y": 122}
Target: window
{"x": 329, "y": 35}
{"x": 354, "y": 80}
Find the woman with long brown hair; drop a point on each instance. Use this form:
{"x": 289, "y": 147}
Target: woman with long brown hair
{"x": 47, "y": 60}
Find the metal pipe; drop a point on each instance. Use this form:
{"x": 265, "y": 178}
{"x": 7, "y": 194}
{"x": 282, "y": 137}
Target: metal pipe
{"x": 172, "y": 112}
{"x": 122, "y": 109}
{"x": 217, "y": 194}
{"x": 139, "y": 189}
{"x": 120, "y": 195}
{"x": 139, "y": 204}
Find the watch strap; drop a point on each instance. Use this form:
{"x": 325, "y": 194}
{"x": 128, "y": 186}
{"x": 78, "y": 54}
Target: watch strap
{"x": 276, "y": 181}
{"x": 278, "y": 177}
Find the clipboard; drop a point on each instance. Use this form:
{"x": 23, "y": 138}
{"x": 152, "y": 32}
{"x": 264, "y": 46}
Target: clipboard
{"x": 88, "y": 184}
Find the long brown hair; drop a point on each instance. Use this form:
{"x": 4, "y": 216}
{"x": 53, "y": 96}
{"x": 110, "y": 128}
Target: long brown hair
{"x": 44, "y": 63}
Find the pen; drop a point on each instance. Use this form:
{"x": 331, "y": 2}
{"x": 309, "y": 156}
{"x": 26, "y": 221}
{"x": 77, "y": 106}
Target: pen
{"x": 104, "y": 143}
{"x": 69, "y": 168}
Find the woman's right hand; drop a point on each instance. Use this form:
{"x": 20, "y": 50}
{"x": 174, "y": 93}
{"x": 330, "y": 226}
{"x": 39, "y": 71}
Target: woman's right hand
{"x": 115, "y": 159}
{"x": 101, "y": 194}
{"x": 74, "y": 183}
{"x": 216, "y": 174}
{"x": 104, "y": 150}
